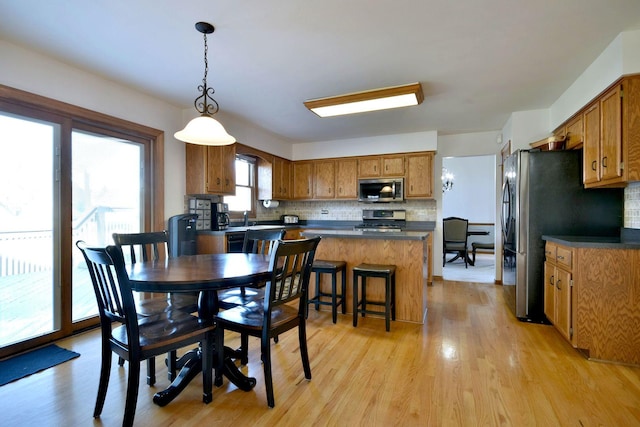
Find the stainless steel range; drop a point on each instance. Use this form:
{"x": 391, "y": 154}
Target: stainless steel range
{"x": 382, "y": 220}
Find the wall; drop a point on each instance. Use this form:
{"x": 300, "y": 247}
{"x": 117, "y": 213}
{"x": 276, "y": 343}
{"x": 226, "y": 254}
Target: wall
{"x": 472, "y": 195}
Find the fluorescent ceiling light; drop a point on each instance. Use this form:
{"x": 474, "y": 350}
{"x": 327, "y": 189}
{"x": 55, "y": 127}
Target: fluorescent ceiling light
{"x": 370, "y": 100}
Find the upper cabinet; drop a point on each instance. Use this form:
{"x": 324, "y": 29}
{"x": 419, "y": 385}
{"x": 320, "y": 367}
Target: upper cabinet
{"x": 609, "y": 130}
{"x": 210, "y": 169}
{"x": 281, "y": 178}
{"x": 303, "y": 180}
{"x": 324, "y": 179}
{"x": 419, "y": 181}
{"x": 377, "y": 166}
{"x": 346, "y": 179}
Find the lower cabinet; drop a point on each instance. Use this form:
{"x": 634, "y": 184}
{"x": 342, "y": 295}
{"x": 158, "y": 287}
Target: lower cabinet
{"x": 558, "y": 288}
{"x": 592, "y": 295}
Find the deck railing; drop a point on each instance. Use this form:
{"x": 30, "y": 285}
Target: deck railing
{"x": 31, "y": 251}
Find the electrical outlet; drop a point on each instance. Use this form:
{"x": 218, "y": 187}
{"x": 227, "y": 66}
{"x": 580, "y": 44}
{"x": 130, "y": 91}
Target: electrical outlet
{"x": 324, "y": 212}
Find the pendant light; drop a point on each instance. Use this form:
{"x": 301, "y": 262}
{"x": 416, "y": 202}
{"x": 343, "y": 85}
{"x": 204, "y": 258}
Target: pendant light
{"x": 205, "y": 130}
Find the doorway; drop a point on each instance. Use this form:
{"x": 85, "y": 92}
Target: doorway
{"x": 470, "y": 193}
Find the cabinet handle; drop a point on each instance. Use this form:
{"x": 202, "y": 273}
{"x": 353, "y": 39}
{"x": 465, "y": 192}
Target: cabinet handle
{"x": 560, "y": 257}
{"x": 604, "y": 162}
{"x": 558, "y": 284}
{"x": 593, "y": 165}
{"x": 551, "y": 280}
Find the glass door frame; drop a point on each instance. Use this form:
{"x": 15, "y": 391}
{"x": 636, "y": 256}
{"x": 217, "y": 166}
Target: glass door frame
{"x": 28, "y": 105}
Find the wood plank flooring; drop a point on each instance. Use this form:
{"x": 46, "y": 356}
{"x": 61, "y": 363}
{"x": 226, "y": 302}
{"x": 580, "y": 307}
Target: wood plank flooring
{"x": 471, "y": 364}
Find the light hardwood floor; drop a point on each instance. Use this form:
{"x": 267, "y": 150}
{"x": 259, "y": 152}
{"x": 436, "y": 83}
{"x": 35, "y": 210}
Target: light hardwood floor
{"x": 471, "y": 364}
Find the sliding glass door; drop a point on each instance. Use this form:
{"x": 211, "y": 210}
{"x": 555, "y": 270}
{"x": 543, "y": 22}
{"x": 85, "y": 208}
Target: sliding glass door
{"x": 107, "y": 188}
{"x": 29, "y": 283}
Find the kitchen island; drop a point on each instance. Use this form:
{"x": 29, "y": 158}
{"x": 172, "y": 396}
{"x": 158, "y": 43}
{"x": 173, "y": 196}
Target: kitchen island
{"x": 410, "y": 251}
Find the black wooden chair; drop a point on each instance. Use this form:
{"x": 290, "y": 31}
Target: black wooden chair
{"x": 454, "y": 238}
{"x": 151, "y": 246}
{"x": 138, "y": 338}
{"x": 255, "y": 242}
{"x": 283, "y": 308}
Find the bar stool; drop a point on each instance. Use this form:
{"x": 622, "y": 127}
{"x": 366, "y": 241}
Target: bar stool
{"x": 387, "y": 272}
{"x": 321, "y": 266}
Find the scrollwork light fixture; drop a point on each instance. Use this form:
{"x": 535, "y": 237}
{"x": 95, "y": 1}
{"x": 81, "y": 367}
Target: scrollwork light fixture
{"x": 205, "y": 130}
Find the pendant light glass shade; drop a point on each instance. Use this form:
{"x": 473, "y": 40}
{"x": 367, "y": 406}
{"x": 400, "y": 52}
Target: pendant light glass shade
{"x": 205, "y": 130}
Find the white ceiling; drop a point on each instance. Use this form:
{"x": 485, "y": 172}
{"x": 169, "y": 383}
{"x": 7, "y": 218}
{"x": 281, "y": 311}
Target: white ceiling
{"x": 478, "y": 60}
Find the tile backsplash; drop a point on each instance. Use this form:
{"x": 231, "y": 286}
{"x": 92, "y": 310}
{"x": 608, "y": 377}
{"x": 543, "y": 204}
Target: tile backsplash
{"x": 417, "y": 210}
{"x": 632, "y": 205}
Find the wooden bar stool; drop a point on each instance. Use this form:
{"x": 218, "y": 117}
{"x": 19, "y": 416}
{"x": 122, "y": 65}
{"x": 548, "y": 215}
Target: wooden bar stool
{"x": 321, "y": 266}
{"x": 387, "y": 272}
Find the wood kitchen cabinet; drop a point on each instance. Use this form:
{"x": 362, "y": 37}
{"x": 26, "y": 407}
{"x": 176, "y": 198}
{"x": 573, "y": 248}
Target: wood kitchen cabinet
{"x": 210, "y": 169}
{"x": 378, "y": 166}
{"x": 324, "y": 179}
{"x": 612, "y": 136}
{"x": 558, "y": 288}
{"x": 302, "y": 180}
{"x": 571, "y": 133}
{"x": 419, "y": 175}
{"x": 591, "y": 297}
{"x": 281, "y": 178}
{"x": 347, "y": 178}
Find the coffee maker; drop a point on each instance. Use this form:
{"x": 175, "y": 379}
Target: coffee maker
{"x": 219, "y": 216}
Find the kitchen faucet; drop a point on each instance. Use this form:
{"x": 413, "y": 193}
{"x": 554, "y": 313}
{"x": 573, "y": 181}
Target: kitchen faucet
{"x": 246, "y": 218}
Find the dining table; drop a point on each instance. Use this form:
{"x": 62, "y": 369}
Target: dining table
{"x": 206, "y": 274}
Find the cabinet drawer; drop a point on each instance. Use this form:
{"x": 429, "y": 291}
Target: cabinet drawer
{"x": 564, "y": 256}
{"x": 550, "y": 252}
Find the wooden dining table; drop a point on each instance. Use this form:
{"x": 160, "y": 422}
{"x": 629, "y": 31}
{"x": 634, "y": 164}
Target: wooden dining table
{"x": 205, "y": 274}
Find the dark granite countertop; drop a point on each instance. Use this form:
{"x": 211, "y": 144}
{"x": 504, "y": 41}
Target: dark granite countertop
{"x": 628, "y": 239}
{"x": 359, "y": 234}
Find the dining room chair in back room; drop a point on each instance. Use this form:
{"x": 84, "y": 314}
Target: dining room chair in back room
{"x": 454, "y": 239}
{"x": 284, "y": 306}
{"x": 255, "y": 242}
{"x": 151, "y": 246}
{"x": 138, "y": 338}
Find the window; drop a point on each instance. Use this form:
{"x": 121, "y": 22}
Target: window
{"x": 245, "y": 186}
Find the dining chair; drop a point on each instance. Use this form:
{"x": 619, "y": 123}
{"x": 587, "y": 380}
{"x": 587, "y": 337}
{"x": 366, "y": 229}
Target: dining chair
{"x": 283, "y": 308}
{"x": 454, "y": 238}
{"x": 151, "y": 246}
{"x": 138, "y": 338}
{"x": 255, "y": 242}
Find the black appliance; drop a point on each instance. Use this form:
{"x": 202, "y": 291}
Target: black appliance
{"x": 182, "y": 235}
{"x": 380, "y": 220}
{"x": 219, "y": 216}
{"x": 381, "y": 190}
{"x": 235, "y": 240}
{"x": 543, "y": 194}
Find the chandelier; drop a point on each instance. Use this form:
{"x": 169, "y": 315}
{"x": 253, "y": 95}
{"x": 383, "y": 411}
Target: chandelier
{"x": 447, "y": 180}
{"x": 205, "y": 130}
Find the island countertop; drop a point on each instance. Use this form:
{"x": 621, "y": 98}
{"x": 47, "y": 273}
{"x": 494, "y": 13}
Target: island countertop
{"x": 363, "y": 234}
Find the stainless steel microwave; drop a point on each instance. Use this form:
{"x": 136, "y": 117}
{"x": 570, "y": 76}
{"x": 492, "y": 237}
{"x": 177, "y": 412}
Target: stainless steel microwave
{"x": 381, "y": 190}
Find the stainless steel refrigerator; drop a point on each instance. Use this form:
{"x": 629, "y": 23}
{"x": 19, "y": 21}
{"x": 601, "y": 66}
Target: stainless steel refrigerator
{"x": 543, "y": 194}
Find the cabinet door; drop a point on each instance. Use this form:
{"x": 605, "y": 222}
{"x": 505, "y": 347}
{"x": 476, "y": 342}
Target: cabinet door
{"x": 324, "y": 179}
{"x": 302, "y": 180}
{"x": 369, "y": 167}
{"x": 563, "y": 302}
{"x": 393, "y": 166}
{"x": 347, "y": 179}
{"x": 419, "y": 182}
{"x": 281, "y": 178}
{"x": 214, "y": 170}
{"x": 550, "y": 292}
{"x": 196, "y": 168}
{"x": 591, "y": 160}
{"x": 228, "y": 169}
{"x": 573, "y": 133}
{"x": 611, "y": 135}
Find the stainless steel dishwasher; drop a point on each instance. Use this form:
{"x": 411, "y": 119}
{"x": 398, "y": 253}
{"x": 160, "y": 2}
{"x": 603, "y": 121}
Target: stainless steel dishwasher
{"x": 234, "y": 241}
